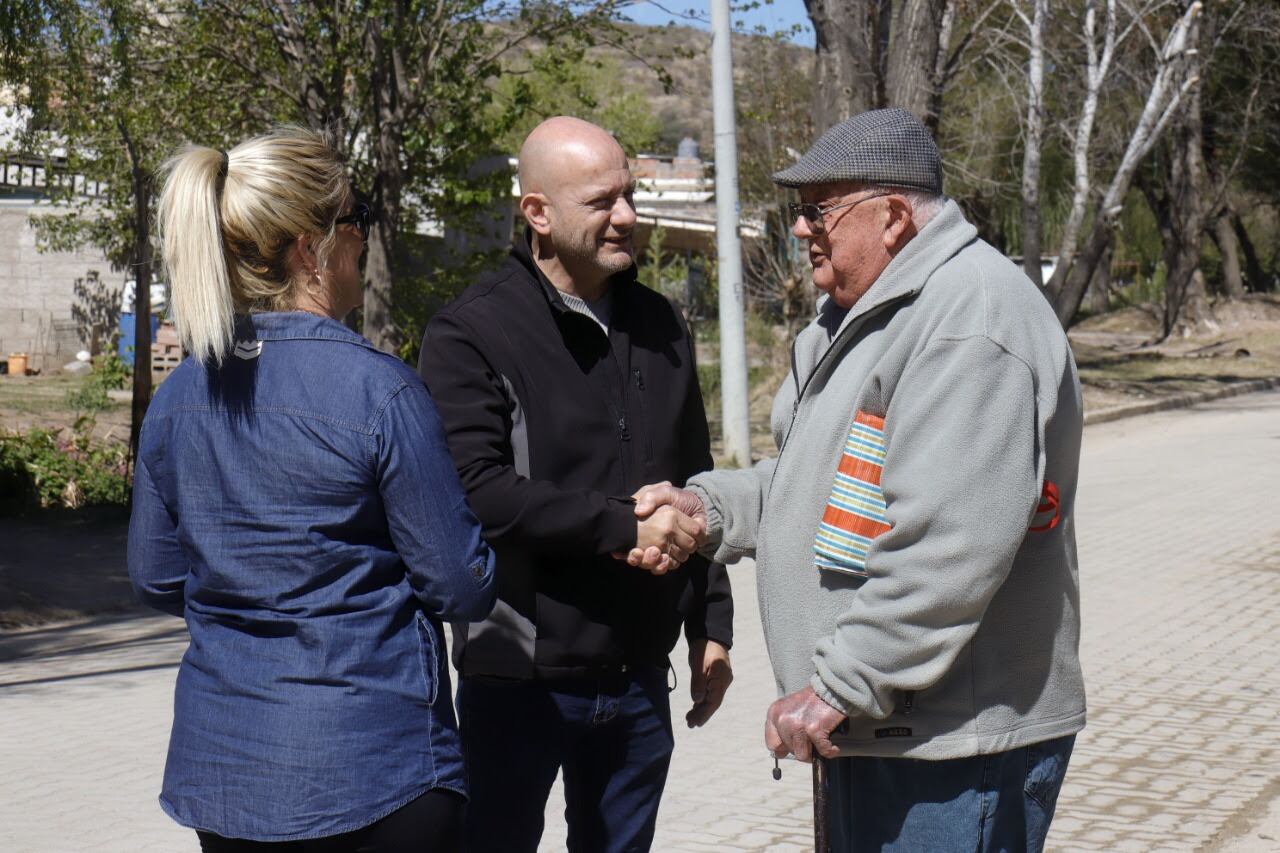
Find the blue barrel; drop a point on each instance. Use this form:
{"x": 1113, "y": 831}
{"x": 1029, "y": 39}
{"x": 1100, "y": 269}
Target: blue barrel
{"x": 125, "y": 349}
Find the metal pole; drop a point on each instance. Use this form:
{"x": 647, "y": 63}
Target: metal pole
{"x": 821, "y": 831}
{"x": 733, "y": 341}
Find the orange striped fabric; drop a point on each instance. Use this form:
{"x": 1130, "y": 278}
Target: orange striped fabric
{"x": 855, "y": 512}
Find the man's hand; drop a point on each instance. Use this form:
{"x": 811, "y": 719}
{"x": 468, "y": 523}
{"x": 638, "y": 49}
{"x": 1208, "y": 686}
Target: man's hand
{"x": 648, "y": 501}
{"x": 799, "y": 723}
{"x": 649, "y": 498}
{"x": 672, "y": 535}
{"x": 710, "y": 675}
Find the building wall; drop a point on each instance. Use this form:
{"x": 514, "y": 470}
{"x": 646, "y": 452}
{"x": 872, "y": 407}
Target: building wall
{"x": 37, "y": 290}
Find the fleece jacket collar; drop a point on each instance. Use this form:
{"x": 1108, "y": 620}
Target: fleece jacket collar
{"x": 938, "y": 242}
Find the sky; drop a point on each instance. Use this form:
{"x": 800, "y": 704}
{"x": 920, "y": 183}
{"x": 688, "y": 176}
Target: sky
{"x": 776, "y": 15}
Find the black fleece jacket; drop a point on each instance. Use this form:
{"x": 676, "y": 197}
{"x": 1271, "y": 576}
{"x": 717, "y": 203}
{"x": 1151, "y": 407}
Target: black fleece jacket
{"x": 552, "y": 426}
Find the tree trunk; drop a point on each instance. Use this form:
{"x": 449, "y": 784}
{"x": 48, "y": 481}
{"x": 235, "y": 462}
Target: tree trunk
{"x": 847, "y": 78}
{"x": 1229, "y": 248}
{"x": 388, "y": 191}
{"x": 140, "y": 261}
{"x": 1197, "y": 313}
{"x": 1186, "y": 217}
{"x": 379, "y": 324}
{"x": 141, "y": 310}
{"x": 1257, "y": 278}
{"x": 1176, "y": 75}
{"x": 1073, "y": 280}
{"x": 1031, "y": 228}
{"x": 911, "y": 64}
{"x": 1098, "y": 295}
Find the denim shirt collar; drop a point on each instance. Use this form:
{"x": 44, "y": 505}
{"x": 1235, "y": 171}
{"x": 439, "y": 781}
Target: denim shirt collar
{"x": 293, "y": 326}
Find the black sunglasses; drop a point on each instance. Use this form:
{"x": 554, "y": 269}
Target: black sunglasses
{"x": 361, "y": 215}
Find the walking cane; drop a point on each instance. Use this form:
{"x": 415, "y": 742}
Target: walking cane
{"x": 821, "y": 838}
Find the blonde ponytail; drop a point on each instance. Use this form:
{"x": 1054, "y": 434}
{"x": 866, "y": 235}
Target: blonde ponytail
{"x": 228, "y": 221}
{"x": 199, "y": 281}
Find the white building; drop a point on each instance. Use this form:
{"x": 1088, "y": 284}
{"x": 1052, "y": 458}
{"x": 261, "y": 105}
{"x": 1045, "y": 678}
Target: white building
{"x": 37, "y": 289}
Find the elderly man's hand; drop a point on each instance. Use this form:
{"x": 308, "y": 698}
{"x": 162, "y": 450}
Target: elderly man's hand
{"x": 669, "y": 536}
{"x": 649, "y": 498}
{"x": 648, "y": 501}
{"x": 800, "y": 723}
{"x": 710, "y": 675}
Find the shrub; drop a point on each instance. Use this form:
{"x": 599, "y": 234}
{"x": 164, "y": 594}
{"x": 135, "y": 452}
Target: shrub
{"x": 50, "y": 468}
{"x": 109, "y": 373}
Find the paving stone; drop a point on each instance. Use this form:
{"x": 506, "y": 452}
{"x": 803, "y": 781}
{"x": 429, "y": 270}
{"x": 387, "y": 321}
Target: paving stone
{"x": 1179, "y": 562}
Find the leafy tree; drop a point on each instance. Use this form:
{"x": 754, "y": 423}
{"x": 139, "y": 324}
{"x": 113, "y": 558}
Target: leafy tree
{"x": 663, "y": 271}
{"x": 104, "y": 99}
{"x": 544, "y": 84}
{"x": 407, "y": 88}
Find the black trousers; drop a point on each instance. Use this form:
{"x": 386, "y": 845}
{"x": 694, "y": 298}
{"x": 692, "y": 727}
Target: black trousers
{"x": 430, "y": 824}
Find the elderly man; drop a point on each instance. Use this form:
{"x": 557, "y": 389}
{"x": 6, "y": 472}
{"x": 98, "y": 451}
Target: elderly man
{"x": 564, "y": 385}
{"x": 914, "y": 536}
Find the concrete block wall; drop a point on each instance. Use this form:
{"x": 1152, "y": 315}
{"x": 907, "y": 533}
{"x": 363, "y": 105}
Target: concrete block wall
{"x": 37, "y": 291}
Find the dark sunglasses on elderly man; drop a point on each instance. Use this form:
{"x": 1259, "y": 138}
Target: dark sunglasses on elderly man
{"x": 815, "y": 215}
{"x": 361, "y": 215}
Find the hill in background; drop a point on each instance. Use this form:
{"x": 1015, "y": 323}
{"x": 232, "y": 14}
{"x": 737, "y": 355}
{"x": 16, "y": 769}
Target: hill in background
{"x": 685, "y": 54}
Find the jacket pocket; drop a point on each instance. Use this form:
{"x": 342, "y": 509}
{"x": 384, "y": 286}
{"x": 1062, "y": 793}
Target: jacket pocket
{"x": 427, "y": 656}
{"x": 854, "y": 513}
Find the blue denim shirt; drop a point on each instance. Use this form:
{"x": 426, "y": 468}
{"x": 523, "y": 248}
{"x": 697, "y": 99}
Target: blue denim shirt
{"x": 299, "y": 507}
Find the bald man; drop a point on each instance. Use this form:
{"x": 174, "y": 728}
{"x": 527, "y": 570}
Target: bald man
{"x": 564, "y": 386}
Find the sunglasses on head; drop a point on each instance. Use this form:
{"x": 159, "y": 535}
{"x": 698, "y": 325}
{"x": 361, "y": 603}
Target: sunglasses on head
{"x": 361, "y": 215}
{"x": 814, "y": 215}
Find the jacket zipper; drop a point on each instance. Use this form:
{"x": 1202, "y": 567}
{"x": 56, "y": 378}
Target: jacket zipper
{"x": 624, "y": 428}
{"x": 849, "y": 330}
{"x": 646, "y": 433}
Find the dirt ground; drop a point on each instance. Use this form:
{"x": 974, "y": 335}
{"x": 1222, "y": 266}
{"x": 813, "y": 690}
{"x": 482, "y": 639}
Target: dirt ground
{"x": 63, "y": 564}
{"x": 31, "y": 402}
{"x": 1119, "y": 359}
{"x": 1120, "y": 363}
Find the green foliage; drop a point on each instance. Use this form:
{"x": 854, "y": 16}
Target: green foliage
{"x": 105, "y": 93}
{"x": 551, "y": 81}
{"x": 759, "y": 331}
{"x": 110, "y": 373}
{"x": 419, "y": 295}
{"x": 1146, "y": 289}
{"x": 409, "y": 91}
{"x": 46, "y": 468}
{"x": 665, "y": 272}
{"x": 1138, "y": 244}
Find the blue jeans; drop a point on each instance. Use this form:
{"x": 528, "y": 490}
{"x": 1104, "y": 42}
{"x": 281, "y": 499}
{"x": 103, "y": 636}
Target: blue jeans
{"x": 611, "y": 736}
{"x": 999, "y": 802}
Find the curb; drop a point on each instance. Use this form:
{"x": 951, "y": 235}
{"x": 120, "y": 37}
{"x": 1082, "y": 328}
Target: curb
{"x": 1180, "y": 401}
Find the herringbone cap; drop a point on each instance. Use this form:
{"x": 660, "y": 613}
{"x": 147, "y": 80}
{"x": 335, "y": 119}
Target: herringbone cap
{"x": 888, "y": 147}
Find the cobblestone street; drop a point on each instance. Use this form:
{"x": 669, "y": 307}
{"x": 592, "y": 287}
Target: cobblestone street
{"x": 1180, "y": 559}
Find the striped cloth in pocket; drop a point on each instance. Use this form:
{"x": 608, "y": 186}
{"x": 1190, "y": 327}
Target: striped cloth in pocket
{"x": 854, "y": 514}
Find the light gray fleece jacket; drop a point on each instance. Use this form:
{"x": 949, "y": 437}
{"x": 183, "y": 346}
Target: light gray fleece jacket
{"x": 914, "y": 537}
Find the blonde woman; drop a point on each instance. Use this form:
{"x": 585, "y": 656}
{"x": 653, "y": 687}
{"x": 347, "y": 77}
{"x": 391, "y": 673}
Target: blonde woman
{"x": 294, "y": 500}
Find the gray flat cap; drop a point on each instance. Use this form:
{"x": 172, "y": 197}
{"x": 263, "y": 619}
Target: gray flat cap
{"x": 886, "y": 147}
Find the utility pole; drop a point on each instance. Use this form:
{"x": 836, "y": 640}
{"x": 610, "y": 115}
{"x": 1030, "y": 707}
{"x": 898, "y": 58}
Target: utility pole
{"x": 733, "y": 343}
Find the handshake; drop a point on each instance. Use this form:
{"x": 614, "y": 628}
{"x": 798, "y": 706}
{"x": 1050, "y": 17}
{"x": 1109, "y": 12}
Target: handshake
{"x": 671, "y": 526}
